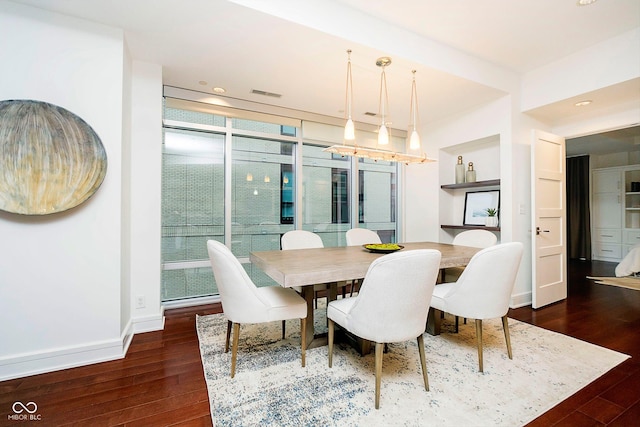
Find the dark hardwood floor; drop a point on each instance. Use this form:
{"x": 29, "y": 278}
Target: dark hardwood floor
{"x": 160, "y": 382}
{"x": 603, "y": 315}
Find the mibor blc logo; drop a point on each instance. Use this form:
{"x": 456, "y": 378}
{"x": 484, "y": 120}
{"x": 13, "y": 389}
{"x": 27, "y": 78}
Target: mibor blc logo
{"x": 24, "y": 412}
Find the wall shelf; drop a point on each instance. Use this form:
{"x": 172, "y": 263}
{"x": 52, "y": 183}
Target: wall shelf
{"x": 470, "y": 227}
{"x": 488, "y": 183}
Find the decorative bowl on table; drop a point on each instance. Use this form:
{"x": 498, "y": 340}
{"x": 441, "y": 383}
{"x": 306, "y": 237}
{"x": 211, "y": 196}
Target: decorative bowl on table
{"x": 382, "y": 248}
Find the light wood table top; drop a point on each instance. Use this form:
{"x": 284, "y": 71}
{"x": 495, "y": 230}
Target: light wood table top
{"x": 302, "y": 267}
{"x": 307, "y": 267}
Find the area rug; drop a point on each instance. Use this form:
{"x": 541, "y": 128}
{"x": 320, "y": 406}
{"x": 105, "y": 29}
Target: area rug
{"x": 622, "y": 282}
{"x": 272, "y": 388}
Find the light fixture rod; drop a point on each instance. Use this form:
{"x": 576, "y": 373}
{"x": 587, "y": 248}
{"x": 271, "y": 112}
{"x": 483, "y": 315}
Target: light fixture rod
{"x": 383, "y": 107}
{"x": 349, "y": 94}
{"x": 349, "y": 127}
{"x": 414, "y": 100}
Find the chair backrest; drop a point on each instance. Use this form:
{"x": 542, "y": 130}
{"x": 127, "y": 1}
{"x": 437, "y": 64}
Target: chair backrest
{"x": 484, "y": 288}
{"x": 475, "y": 238}
{"x": 240, "y": 301}
{"x": 394, "y": 299}
{"x": 300, "y": 239}
{"x": 361, "y": 236}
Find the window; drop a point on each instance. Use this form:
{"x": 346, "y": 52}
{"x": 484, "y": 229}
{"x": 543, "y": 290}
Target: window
{"x": 237, "y": 180}
{"x": 192, "y": 187}
{"x": 340, "y": 196}
{"x": 257, "y": 192}
{"x": 377, "y": 193}
{"x": 325, "y": 203}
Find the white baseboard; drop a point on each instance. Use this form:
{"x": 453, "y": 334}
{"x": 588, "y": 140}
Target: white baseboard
{"x": 24, "y": 365}
{"x": 64, "y": 358}
{"x": 149, "y": 323}
{"x": 520, "y": 300}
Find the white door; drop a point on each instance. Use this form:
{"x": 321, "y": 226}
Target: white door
{"x": 548, "y": 219}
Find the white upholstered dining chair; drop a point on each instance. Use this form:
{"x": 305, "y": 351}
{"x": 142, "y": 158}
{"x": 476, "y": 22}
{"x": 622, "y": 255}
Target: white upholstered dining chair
{"x": 358, "y": 237}
{"x": 474, "y": 238}
{"x": 300, "y": 239}
{"x": 361, "y": 236}
{"x": 303, "y": 239}
{"x": 244, "y": 302}
{"x": 381, "y": 316}
{"x": 483, "y": 291}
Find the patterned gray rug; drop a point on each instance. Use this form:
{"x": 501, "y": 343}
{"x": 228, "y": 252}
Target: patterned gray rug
{"x": 271, "y": 388}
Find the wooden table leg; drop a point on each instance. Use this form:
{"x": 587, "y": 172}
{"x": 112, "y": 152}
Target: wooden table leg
{"x": 333, "y": 292}
{"x": 308, "y": 295}
{"x": 433, "y": 321}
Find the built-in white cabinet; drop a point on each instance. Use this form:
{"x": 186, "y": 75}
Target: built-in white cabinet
{"x": 615, "y": 214}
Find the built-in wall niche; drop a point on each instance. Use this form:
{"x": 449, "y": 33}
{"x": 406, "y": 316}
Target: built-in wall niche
{"x": 485, "y": 155}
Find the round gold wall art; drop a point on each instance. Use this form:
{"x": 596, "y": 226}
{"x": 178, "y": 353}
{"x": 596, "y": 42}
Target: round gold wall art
{"x": 50, "y": 159}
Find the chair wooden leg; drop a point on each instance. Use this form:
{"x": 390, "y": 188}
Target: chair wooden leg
{"x": 423, "y": 361}
{"x": 479, "y": 338}
{"x": 378, "y": 364}
{"x": 303, "y": 340}
{"x": 234, "y": 348}
{"x": 505, "y": 326}
{"x": 457, "y": 322}
{"x": 226, "y": 344}
{"x": 353, "y": 286}
{"x": 330, "y": 341}
{"x": 283, "y": 329}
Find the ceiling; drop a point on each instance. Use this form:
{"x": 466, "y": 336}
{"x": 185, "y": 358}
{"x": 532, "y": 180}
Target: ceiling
{"x": 615, "y": 141}
{"x": 298, "y": 49}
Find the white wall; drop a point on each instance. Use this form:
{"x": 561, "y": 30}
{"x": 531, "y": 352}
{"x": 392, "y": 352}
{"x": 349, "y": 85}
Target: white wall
{"x": 423, "y": 182}
{"x": 146, "y": 186}
{"x": 605, "y": 64}
{"x": 498, "y": 121}
{"x": 60, "y": 274}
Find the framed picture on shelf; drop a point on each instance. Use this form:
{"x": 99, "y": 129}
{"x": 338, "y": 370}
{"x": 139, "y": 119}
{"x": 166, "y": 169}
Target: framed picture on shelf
{"x": 476, "y": 204}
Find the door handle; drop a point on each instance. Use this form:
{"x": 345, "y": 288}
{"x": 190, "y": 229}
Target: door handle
{"x": 538, "y": 231}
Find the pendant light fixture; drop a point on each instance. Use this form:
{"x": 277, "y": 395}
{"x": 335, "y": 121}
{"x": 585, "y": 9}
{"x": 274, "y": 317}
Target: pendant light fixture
{"x": 349, "y": 128}
{"x": 414, "y": 138}
{"x": 380, "y": 153}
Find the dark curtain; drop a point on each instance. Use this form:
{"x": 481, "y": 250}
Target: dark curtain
{"x": 578, "y": 218}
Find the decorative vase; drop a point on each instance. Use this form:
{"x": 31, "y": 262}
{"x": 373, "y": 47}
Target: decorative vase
{"x": 491, "y": 221}
{"x": 471, "y": 174}
{"x": 460, "y": 171}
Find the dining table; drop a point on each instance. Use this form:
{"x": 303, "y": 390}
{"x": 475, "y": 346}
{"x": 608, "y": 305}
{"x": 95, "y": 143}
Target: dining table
{"x": 305, "y": 268}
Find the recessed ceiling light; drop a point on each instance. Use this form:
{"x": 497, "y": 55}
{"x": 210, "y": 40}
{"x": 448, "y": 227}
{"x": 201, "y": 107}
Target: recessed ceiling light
{"x": 203, "y": 83}
{"x": 583, "y": 103}
{"x": 585, "y": 2}
{"x": 219, "y": 89}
